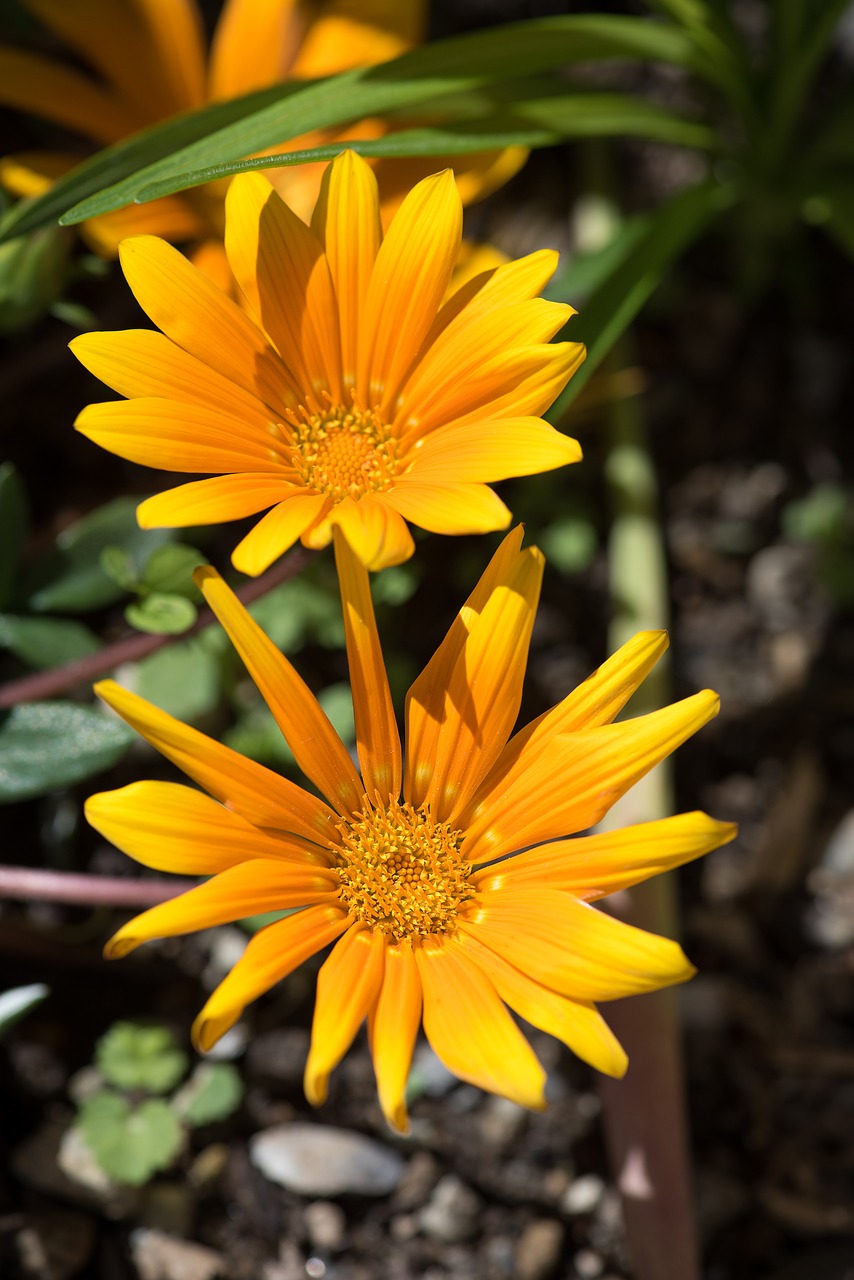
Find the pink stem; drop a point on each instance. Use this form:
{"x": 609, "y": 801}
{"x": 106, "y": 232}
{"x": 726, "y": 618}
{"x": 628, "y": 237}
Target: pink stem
{"x": 93, "y": 891}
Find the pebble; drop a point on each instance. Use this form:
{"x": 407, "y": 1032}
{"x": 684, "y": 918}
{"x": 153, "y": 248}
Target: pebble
{"x": 500, "y": 1122}
{"x": 325, "y": 1225}
{"x": 318, "y": 1160}
{"x": 55, "y": 1243}
{"x": 830, "y": 918}
{"x": 451, "y": 1213}
{"x": 158, "y": 1256}
{"x": 583, "y": 1194}
{"x": 588, "y": 1264}
{"x": 538, "y": 1250}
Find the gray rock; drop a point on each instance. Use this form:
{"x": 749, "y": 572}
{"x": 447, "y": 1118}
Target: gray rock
{"x": 451, "y": 1213}
{"x": 325, "y": 1225}
{"x": 538, "y": 1250}
{"x": 429, "y": 1075}
{"x": 158, "y": 1256}
{"x": 317, "y": 1160}
{"x": 583, "y": 1194}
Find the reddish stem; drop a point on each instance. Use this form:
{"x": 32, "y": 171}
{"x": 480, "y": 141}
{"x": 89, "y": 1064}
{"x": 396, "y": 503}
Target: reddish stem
{"x": 29, "y": 883}
{"x": 137, "y": 645}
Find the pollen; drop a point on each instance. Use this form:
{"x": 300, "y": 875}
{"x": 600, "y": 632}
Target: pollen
{"x": 401, "y": 872}
{"x": 339, "y": 451}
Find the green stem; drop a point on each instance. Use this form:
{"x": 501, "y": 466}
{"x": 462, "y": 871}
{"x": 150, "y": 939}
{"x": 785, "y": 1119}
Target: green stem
{"x": 645, "y": 1115}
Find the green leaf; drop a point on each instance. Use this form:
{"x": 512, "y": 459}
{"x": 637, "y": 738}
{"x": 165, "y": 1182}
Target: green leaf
{"x": 17, "y": 1002}
{"x": 212, "y": 1093}
{"x": 611, "y": 308}
{"x": 297, "y": 610}
{"x": 569, "y": 544}
{"x": 130, "y": 1144}
{"x": 46, "y": 642}
{"x": 119, "y": 566}
{"x": 183, "y": 679}
{"x": 131, "y": 1056}
{"x": 115, "y": 178}
{"x": 45, "y": 745}
{"x": 71, "y": 579}
{"x": 162, "y": 615}
{"x": 34, "y": 271}
{"x": 14, "y": 527}
{"x": 823, "y": 516}
{"x": 169, "y": 570}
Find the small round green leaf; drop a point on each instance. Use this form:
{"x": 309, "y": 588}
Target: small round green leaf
{"x": 161, "y": 615}
{"x": 134, "y": 1057}
{"x": 212, "y": 1093}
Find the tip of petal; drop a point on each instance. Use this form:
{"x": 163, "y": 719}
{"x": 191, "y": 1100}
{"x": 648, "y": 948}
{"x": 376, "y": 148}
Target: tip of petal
{"x": 204, "y": 575}
{"x": 120, "y": 945}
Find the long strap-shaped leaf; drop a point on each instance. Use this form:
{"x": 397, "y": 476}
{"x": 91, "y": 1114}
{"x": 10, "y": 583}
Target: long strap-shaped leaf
{"x": 231, "y": 131}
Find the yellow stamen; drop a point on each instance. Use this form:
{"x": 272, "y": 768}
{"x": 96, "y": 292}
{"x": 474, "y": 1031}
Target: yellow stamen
{"x": 401, "y": 872}
{"x": 342, "y": 452}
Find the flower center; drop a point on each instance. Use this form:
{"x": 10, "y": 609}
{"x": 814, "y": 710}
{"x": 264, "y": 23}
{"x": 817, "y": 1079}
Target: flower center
{"x": 401, "y": 872}
{"x": 342, "y": 452}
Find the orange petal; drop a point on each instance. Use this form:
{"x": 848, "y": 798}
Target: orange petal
{"x": 373, "y": 528}
{"x": 409, "y": 280}
{"x": 448, "y": 507}
{"x": 571, "y": 947}
{"x": 374, "y": 31}
{"x": 491, "y": 451}
{"x": 211, "y": 501}
{"x": 482, "y": 694}
{"x": 347, "y": 988}
{"x": 180, "y": 437}
{"x": 253, "y": 45}
{"x": 319, "y": 751}
{"x": 470, "y": 1029}
{"x": 205, "y": 321}
{"x": 271, "y": 955}
{"x": 248, "y": 889}
{"x": 262, "y": 797}
{"x": 278, "y": 531}
{"x": 173, "y": 828}
{"x": 46, "y": 89}
{"x": 578, "y": 1024}
{"x": 140, "y": 362}
{"x": 425, "y": 702}
{"x": 172, "y": 217}
{"x": 346, "y": 221}
{"x": 573, "y": 784}
{"x": 377, "y": 737}
{"x": 393, "y": 1028}
{"x": 280, "y": 266}
{"x": 591, "y": 866}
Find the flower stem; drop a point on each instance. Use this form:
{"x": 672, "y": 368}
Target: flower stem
{"x": 30, "y": 883}
{"x": 645, "y": 1114}
{"x": 137, "y": 645}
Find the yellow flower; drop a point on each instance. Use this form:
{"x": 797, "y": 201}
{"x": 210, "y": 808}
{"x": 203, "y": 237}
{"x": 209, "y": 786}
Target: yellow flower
{"x": 356, "y": 396}
{"x": 410, "y": 865}
{"x": 150, "y": 62}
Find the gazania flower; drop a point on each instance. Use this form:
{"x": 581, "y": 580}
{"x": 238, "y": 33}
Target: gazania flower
{"x": 355, "y": 396}
{"x": 149, "y": 61}
{"x": 411, "y": 864}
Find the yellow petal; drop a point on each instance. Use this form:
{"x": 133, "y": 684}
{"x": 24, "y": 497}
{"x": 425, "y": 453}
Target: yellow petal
{"x": 319, "y": 751}
{"x": 448, "y": 507}
{"x": 591, "y": 866}
{"x": 346, "y": 221}
{"x": 471, "y": 1031}
{"x": 248, "y": 889}
{"x": 374, "y": 530}
{"x": 181, "y": 437}
{"x": 46, "y": 89}
{"x": 212, "y": 501}
{"x": 596, "y": 701}
{"x": 495, "y": 286}
{"x": 482, "y": 694}
{"x": 372, "y": 31}
{"x": 393, "y": 1028}
{"x": 278, "y": 531}
{"x": 571, "y": 947}
{"x": 253, "y": 45}
{"x": 425, "y": 702}
{"x": 262, "y": 797}
{"x": 140, "y": 362}
{"x": 204, "y": 320}
{"x": 280, "y": 266}
{"x": 172, "y": 217}
{"x": 271, "y": 955}
{"x": 578, "y": 1024}
{"x": 347, "y": 987}
{"x": 173, "y": 828}
{"x": 573, "y": 784}
{"x": 489, "y": 451}
{"x": 377, "y": 737}
{"x": 409, "y": 280}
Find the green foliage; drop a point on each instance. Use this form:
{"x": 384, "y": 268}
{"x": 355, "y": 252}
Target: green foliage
{"x": 185, "y": 679}
{"x": 212, "y": 1093}
{"x": 34, "y": 271}
{"x": 825, "y": 520}
{"x": 131, "y": 1056}
{"x": 46, "y": 642}
{"x": 14, "y": 527}
{"x": 162, "y": 615}
{"x": 46, "y": 745}
{"x": 164, "y": 586}
{"x": 131, "y": 1143}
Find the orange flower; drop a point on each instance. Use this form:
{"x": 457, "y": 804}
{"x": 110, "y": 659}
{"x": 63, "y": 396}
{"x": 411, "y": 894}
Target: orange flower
{"x": 150, "y": 62}
{"x": 411, "y": 864}
{"x": 350, "y": 393}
